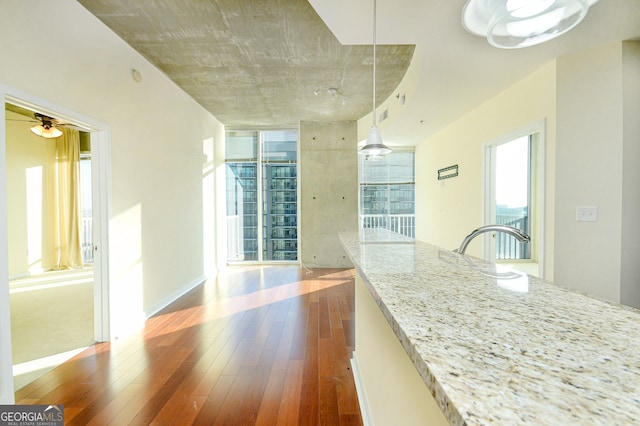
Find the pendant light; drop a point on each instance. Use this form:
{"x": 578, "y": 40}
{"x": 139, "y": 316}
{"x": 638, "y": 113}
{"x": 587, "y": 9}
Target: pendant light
{"x": 374, "y": 147}
{"x": 512, "y": 24}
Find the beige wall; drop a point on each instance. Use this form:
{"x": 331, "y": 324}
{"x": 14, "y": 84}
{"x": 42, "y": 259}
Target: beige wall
{"x": 590, "y": 101}
{"x": 158, "y": 152}
{"x": 448, "y": 210}
{"x": 390, "y": 389}
{"x": 30, "y": 167}
{"x": 328, "y": 178}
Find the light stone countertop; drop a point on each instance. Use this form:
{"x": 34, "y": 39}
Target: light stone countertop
{"x": 498, "y": 347}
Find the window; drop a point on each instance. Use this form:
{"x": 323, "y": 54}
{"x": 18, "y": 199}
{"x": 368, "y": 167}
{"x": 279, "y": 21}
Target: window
{"x": 279, "y": 196}
{"x": 86, "y": 236}
{"x": 262, "y": 195}
{"x": 387, "y": 193}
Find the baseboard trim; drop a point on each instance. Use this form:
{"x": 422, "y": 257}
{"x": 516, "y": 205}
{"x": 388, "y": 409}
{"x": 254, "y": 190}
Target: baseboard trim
{"x": 174, "y": 296}
{"x": 365, "y": 411}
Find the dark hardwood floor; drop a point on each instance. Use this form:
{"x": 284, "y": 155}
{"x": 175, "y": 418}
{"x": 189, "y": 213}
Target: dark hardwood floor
{"x": 263, "y": 345}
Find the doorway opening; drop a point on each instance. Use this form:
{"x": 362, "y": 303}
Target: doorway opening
{"x": 513, "y": 196}
{"x": 56, "y": 293}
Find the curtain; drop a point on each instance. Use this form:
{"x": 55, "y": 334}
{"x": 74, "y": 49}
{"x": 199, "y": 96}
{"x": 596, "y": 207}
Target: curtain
{"x": 68, "y": 210}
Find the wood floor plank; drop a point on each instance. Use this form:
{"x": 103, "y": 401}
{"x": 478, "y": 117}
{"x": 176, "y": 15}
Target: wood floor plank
{"x": 180, "y": 403}
{"x": 328, "y": 412}
{"x": 217, "y": 356}
{"x": 291, "y": 394}
{"x": 270, "y": 404}
{"x": 260, "y": 340}
{"x": 309, "y": 392}
{"x": 211, "y": 408}
{"x": 253, "y": 396}
{"x": 109, "y": 411}
{"x": 230, "y": 413}
{"x": 107, "y": 397}
{"x": 265, "y": 345}
{"x": 285, "y": 344}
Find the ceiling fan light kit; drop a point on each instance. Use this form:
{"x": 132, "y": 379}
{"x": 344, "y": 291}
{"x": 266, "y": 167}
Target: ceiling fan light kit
{"x": 374, "y": 149}
{"x": 513, "y": 24}
{"x": 48, "y": 133}
{"x": 47, "y": 129}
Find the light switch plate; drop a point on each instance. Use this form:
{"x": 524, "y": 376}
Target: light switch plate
{"x": 586, "y": 214}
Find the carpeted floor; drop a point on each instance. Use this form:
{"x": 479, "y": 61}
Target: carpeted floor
{"x": 51, "y": 318}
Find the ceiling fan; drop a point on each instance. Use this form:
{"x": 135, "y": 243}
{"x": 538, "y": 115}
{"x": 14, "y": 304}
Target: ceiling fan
{"x": 46, "y": 127}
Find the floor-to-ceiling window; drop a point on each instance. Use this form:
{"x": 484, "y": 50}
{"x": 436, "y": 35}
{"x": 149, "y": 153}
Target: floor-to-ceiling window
{"x": 262, "y": 195}
{"x": 387, "y": 192}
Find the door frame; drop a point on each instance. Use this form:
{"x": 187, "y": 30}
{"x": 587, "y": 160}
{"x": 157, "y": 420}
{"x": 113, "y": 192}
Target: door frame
{"x": 100, "y": 135}
{"x": 537, "y": 224}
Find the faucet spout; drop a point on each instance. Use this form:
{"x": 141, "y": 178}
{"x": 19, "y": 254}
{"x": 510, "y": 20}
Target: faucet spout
{"x": 515, "y": 232}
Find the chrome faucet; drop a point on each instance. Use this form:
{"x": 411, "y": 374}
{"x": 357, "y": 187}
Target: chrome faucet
{"x": 515, "y": 232}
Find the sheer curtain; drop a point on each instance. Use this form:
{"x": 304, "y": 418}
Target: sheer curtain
{"x": 67, "y": 210}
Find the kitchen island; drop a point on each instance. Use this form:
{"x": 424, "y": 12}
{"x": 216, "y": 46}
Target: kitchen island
{"x": 447, "y": 338}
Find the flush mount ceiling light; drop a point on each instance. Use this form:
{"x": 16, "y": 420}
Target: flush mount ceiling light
{"x": 374, "y": 148}
{"x": 512, "y": 24}
{"x": 47, "y": 129}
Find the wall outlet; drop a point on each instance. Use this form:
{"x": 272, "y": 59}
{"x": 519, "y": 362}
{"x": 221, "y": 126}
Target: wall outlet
{"x": 586, "y": 214}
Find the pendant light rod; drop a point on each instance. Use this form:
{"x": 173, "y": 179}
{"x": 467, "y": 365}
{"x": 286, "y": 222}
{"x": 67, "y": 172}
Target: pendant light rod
{"x": 374, "y": 148}
{"x": 374, "y": 62}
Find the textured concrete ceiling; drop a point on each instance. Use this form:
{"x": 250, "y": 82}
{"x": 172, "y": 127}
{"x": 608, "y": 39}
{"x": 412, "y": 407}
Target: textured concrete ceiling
{"x": 256, "y": 62}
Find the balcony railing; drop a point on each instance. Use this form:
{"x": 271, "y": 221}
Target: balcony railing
{"x": 234, "y": 238}
{"x": 404, "y": 224}
{"x": 507, "y": 247}
{"x": 87, "y": 240}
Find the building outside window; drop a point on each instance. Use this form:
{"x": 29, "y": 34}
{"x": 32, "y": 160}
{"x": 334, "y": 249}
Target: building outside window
{"x": 387, "y": 193}
{"x": 261, "y": 182}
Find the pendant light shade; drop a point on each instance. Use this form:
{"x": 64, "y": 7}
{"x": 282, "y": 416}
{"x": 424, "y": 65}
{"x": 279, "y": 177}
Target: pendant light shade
{"x": 512, "y": 24}
{"x": 374, "y": 148}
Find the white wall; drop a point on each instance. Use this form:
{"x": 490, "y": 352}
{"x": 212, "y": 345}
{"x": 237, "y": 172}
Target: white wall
{"x": 59, "y": 53}
{"x": 589, "y": 170}
{"x": 598, "y": 159}
{"x": 448, "y": 210}
{"x": 630, "y": 284}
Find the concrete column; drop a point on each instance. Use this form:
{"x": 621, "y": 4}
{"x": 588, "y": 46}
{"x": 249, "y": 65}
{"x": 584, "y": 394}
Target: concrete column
{"x": 328, "y": 180}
